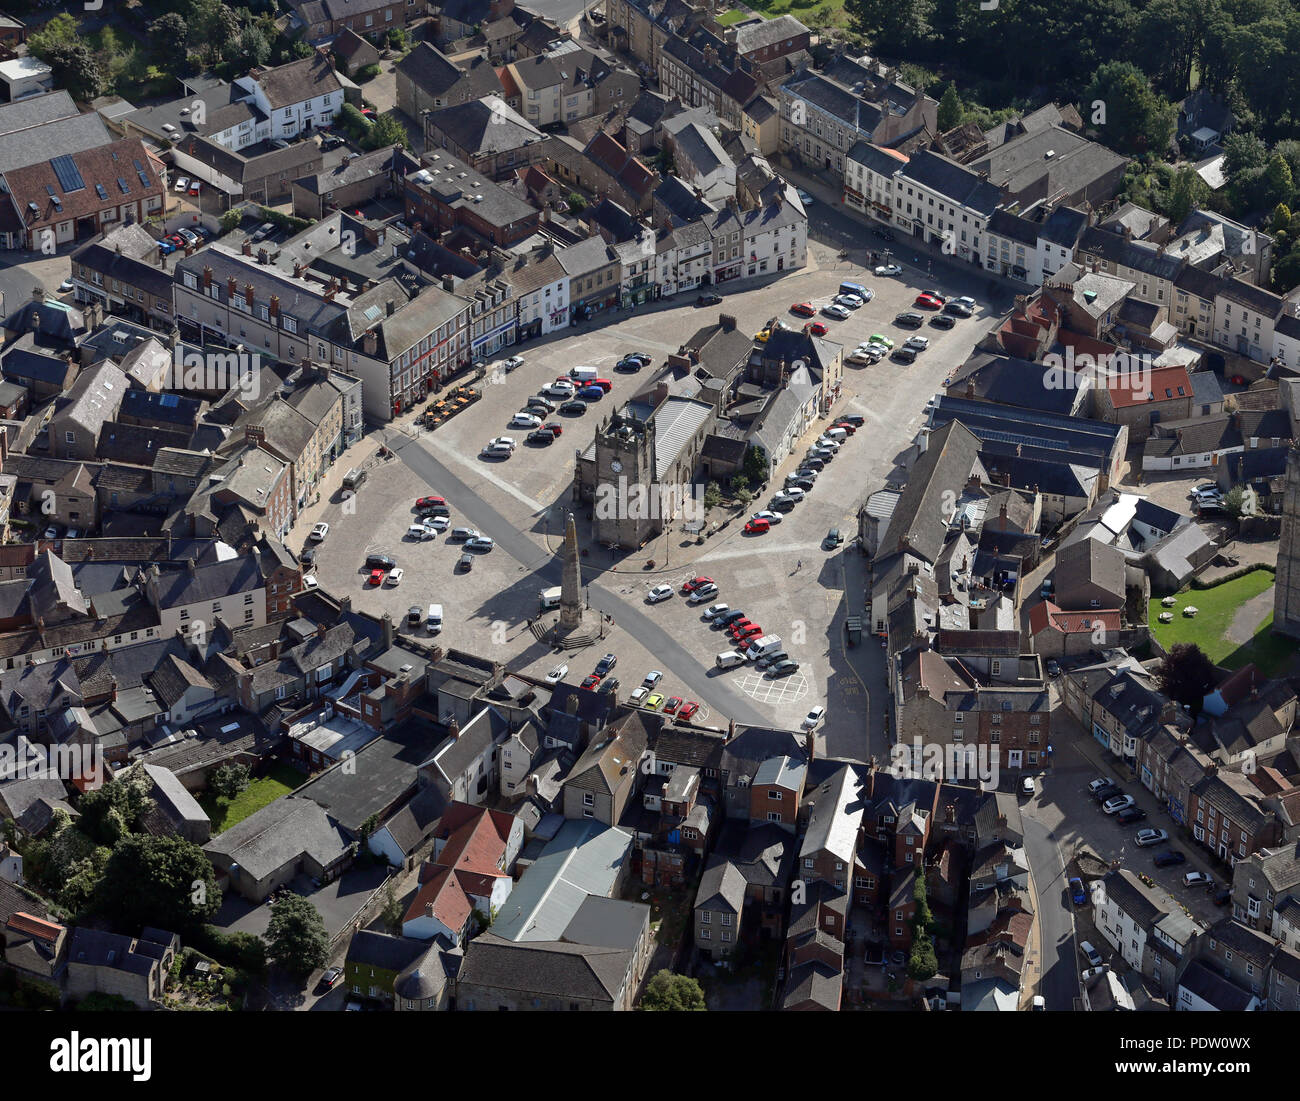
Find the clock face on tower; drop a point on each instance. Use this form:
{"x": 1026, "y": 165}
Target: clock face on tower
{"x": 615, "y": 466}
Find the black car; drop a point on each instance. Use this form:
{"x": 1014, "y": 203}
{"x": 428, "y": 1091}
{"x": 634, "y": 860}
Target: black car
{"x": 908, "y": 319}
{"x": 1104, "y": 792}
{"x": 855, "y": 419}
{"x": 330, "y": 143}
{"x": 943, "y": 321}
{"x": 957, "y": 309}
{"x": 606, "y": 664}
{"x": 903, "y": 355}
{"x": 783, "y": 669}
{"x": 708, "y": 299}
{"x": 541, "y": 437}
{"x": 1223, "y": 896}
{"x": 785, "y": 504}
{"x": 330, "y": 977}
{"x": 1168, "y": 858}
{"x": 434, "y": 510}
{"x": 631, "y": 364}
{"x": 380, "y": 562}
{"x": 805, "y": 484}
{"x": 774, "y": 658}
{"x": 1130, "y": 814}
{"x": 576, "y": 407}
{"x": 814, "y": 464}
{"x": 308, "y": 556}
{"x": 730, "y": 618}
{"x": 609, "y": 684}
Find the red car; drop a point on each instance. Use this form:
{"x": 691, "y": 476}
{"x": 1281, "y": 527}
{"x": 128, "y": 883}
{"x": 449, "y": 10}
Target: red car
{"x": 751, "y": 631}
{"x": 739, "y": 625}
{"x": 688, "y": 710}
{"x": 603, "y": 383}
{"x": 757, "y": 527}
{"x": 591, "y": 680}
{"x": 554, "y": 429}
{"x": 695, "y": 582}
{"x": 928, "y": 301}
{"x": 376, "y": 577}
{"x": 429, "y": 502}
{"x": 674, "y": 702}
{"x": 816, "y": 329}
{"x": 849, "y": 428}
{"x": 803, "y": 309}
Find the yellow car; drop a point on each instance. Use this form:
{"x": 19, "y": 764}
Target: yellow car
{"x": 762, "y": 336}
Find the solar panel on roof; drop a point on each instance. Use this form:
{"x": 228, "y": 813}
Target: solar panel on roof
{"x": 69, "y": 175}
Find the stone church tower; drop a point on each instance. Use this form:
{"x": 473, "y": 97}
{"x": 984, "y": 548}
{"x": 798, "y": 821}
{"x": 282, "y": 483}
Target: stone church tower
{"x": 1286, "y": 597}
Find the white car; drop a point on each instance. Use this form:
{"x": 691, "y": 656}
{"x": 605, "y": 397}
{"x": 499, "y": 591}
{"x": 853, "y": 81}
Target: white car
{"x": 513, "y": 362}
{"x": 183, "y": 184}
{"x": 503, "y": 441}
{"x": 319, "y": 531}
{"x": 658, "y": 593}
{"x": 637, "y": 698}
{"x": 835, "y": 310}
{"x": 504, "y": 450}
{"x": 651, "y": 679}
{"x": 525, "y": 420}
{"x": 560, "y": 390}
{"x": 703, "y": 593}
{"x": 851, "y": 301}
{"x": 919, "y": 343}
{"x": 1027, "y": 786}
{"x": 557, "y": 674}
{"x": 394, "y": 577}
{"x": 794, "y": 493}
{"x": 1090, "y": 953}
{"x": 769, "y": 515}
{"x": 967, "y": 301}
{"x": 435, "y": 523}
{"x": 1150, "y": 837}
{"x": 889, "y": 269}
{"x": 715, "y": 610}
{"x": 804, "y": 197}
{"x": 1117, "y": 803}
{"x": 309, "y": 582}
{"x": 420, "y": 533}
{"x": 1197, "y": 879}
{"x": 813, "y": 718}
{"x": 826, "y": 442}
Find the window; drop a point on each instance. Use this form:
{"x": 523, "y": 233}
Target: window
{"x": 705, "y": 917}
{"x": 774, "y": 795}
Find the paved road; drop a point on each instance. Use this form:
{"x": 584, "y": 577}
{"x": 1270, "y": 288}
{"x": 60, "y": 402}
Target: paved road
{"x": 1059, "y": 985}
{"x": 562, "y": 12}
{"x": 674, "y": 657}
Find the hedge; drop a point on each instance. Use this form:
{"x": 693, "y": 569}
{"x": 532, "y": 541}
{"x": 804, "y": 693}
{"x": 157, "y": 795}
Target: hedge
{"x": 1200, "y": 583}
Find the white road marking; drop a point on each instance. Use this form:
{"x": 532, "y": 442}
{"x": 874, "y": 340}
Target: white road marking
{"x": 789, "y": 689}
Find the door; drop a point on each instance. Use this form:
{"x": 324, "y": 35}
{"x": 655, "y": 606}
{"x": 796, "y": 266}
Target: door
{"x": 1013, "y": 758}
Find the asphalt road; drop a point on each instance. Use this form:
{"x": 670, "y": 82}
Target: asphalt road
{"x": 562, "y": 12}
{"x": 545, "y": 566}
{"x": 1059, "y": 984}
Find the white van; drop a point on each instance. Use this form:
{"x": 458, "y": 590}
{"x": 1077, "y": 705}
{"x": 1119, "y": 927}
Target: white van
{"x": 584, "y": 375}
{"x": 729, "y": 659}
{"x": 764, "y": 644}
{"x": 550, "y": 598}
{"x": 434, "y": 620}
{"x": 839, "y": 435}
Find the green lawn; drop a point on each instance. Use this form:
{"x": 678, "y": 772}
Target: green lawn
{"x": 1208, "y": 629}
{"x": 803, "y": 10}
{"x": 279, "y": 781}
{"x": 735, "y": 15}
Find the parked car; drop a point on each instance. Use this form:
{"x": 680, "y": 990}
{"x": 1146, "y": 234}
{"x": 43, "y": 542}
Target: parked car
{"x": 889, "y": 269}
{"x": 1197, "y": 879}
{"x": 609, "y": 684}
{"x": 835, "y": 310}
{"x": 481, "y": 543}
{"x": 713, "y": 611}
{"x": 708, "y": 299}
{"x": 903, "y": 355}
{"x": 637, "y": 698}
{"x": 1117, "y": 803}
{"x": 813, "y": 719}
{"x": 525, "y": 420}
{"x": 658, "y": 593}
{"x": 919, "y": 343}
{"x": 696, "y": 583}
{"x": 319, "y": 531}
{"x": 573, "y": 408}
{"x": 1089, "y": 953}
{"x": 652, "y": 678}
{"x": 803, "y": 309}
{"x": 1130, "y": 815}
{"x": 590, "y": 681}
{"x": 540, "y": 437}
{"x": 703, "y": 593}
{"x": 605, "y": 664}
{"x": 909, "y": 320}
{"x": 942, "y": 321}
{"x": 688, "y": 710}
{"x": 513, "y": 362}
{"x": 1168, "y": 858}
{"x": 330, "y": 977}
{"x": 672, "y": 704}
{"x": 183, "y": 184}
{"x": 557, "y": 674}
{"x": 783, "y": 669}
{"x": 394, "y": 577}
{"x": 1150, "y": 837}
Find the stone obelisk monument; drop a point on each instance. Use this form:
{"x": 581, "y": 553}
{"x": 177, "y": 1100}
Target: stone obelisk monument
{"x": 571, "y": 582}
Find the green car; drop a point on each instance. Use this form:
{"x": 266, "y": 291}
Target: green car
{"x": 877, "y": 338}
{"x": 653, "y": 703}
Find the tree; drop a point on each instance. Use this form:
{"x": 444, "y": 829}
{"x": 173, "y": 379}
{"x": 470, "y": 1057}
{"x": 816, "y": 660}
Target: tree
{"x": 896, "y": 23}
{"x": 60, "y": 31}
{"x": 253, "y": 48}
{"x": 297, "y": 937}
{"x": 230, "y": 780}
{"x": 231, "y": 220}
{"x": 393, "y": 910}
{"x": 113, "y": 810}
{"x": 170, "y": 33}
{"x": 712, "y": 495}
{"x": 667, "y": 992}
{"x": 949, "y": 108}
{"x": 577, "y": 204}
{"x": 1186, "y": 675}
{"x": 1129, "y": 116}
{"x": 1243, "y": 151}
{"x": 75, "y": 69}
{"x": 1187, "y": 193}
{"x": 922, "y": 962}
{"x": 164, "y": 881}
{"x": 755, "y": 466}
{"x": 385, "y": 131}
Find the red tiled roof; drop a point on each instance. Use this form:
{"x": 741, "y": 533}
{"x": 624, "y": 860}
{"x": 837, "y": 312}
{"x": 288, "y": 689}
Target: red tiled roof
{"x": 444, "y": 898}
{"x": 1123, "y": 394}
{"x": 34, "y": 926}
{"x": 1047, "y": 615}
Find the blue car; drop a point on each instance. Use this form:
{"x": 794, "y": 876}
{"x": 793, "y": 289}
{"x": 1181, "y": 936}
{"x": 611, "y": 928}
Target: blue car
{"x": 591, "y": 393}
{"x": 1077, "y": 894}
{"x": 1168, "y": 858}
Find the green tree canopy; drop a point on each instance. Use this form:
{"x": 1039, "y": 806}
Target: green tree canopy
{"x": 667, "y": 992}
{"x": 164, "y": 881}
{"x": 296, "y": 935}
{"x": 949, "y": 108}
{"x": 1186, "y": 675}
